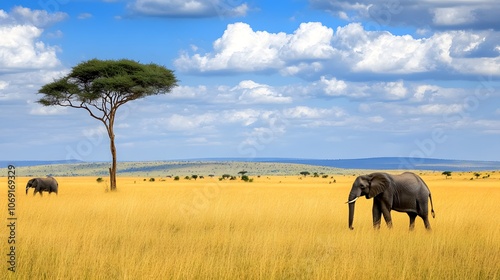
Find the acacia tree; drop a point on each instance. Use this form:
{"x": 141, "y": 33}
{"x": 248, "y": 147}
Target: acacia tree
{"x": 446, "y": 173}
{"x": 101, "y": 86}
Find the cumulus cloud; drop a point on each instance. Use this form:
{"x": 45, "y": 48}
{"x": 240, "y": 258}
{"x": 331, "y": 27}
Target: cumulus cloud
{"x": 239, "y": 49}
{"x": 242, "y": 49}
{"x": 454, "y": 14}
{"x": 314, "y": 50}
{"x": 311, "y": 40}
{"x": 20, "y": 47}
{"x": 191, "y": 8}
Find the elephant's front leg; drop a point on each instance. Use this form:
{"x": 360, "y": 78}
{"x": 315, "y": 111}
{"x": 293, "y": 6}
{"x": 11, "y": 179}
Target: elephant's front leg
{"x": 377, "y": 214}
{"x": 386, "y": 211}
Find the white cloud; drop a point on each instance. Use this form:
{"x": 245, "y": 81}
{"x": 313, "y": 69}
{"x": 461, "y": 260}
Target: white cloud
{"x": 25, "y": 16}
{"x": 311, "y": 40}
{"x": 450, "y": 16}
{"x": 20, "y": 47}
{"x": 191, "y": 8}
{"x": 393, "y": 90}
{"x": 254, "y": 93}
{"x": 239, "y": 49}
{"x": 305, "y": 112}
{"x": 40, "y": 110}
{"x": 187, "y": 92}
{"x": 438, "y": 109}
{"x": 469, "y": 14}
{"x": 242, "y": 49}
{"x": 313, "y": 50}
{"x": 333, "y": 86}
{"x": 421, "y": 91}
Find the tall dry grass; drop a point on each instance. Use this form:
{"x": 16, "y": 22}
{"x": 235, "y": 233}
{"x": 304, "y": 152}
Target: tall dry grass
{"x": 273, "y": 228}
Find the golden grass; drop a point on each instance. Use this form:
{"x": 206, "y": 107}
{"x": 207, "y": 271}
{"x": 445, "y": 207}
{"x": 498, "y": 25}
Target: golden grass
{"x": 273, "y": 228}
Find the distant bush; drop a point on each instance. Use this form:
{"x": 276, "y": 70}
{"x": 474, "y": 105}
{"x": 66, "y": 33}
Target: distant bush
{"x": 245, "y": 178}
{"x": 176, "y": 178}
{"x": 99, "y": 180}
{"x": 151, "y": 179}
{"x": 187, "y": 178}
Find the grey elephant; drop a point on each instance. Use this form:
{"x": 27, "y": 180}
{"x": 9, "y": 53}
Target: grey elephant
{"x": 40, "y": 185}
{"x": 406, "y": 192}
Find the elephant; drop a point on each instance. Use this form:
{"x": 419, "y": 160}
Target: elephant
{"x": 405, "y": 192}
{"x": 40, "y": 185}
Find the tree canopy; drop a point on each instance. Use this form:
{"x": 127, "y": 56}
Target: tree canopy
{"x": 101, "y": 86}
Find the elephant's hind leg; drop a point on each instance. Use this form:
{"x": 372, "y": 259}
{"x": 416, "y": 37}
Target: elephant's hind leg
{"x": 426, "y": 222}
{"x": 412, "y": 219}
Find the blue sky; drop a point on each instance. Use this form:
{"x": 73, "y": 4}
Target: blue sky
{"x": 302, "y": 79}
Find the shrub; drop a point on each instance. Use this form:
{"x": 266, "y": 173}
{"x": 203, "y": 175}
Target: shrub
{"x": 99, "y": 180}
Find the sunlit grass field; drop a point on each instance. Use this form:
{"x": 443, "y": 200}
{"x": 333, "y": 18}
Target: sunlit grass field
{"x": 271, "y": 228}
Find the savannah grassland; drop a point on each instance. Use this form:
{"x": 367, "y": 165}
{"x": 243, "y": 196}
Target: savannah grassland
{"x": 272, "y": 228}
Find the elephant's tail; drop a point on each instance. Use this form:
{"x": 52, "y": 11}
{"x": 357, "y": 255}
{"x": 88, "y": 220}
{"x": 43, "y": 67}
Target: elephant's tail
{"x": 432, "y": 207}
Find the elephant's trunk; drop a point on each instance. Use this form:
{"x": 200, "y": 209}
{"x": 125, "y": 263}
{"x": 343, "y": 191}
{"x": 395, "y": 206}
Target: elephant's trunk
{"x": 351, "y": 215}
{"x": 27, "y": 188}
{"x": 353, "y": 196}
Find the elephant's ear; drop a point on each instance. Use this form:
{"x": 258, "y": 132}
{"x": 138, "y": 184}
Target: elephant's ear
{"x": 378, "y": 183}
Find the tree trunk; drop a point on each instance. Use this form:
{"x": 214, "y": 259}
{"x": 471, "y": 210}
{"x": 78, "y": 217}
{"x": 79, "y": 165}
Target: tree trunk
{"x": 112, "y": 170}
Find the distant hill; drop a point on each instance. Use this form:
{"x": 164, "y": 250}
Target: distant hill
{"x": 396, "y": 163}
{"x": 21, "y": 163}
{"x": 257, "y": 166}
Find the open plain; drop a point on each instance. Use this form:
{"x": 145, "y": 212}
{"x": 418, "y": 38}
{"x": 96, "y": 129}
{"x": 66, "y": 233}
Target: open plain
{"x": 276, "y": 227}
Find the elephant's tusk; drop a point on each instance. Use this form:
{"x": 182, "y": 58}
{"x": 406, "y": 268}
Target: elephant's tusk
{"x": 352, "y": 201}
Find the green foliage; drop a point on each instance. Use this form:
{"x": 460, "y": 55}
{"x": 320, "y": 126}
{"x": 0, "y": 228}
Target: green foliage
{"x": 446, "y": 173}
{"x": 305, "y": 173}
{"x": 151, "y": 179}
{"x": 245, "y": 178}
{"x": 176, "y": 178}
{"x": 187, "y": 178}
{"x": 99, "y": 180}
{"x": 96, "y": 80}
{"x": 194, "y": 177}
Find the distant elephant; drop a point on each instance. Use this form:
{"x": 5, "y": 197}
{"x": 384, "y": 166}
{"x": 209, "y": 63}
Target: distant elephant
{"x": 40, "y": 185}
{"x": 406, "y": 192}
